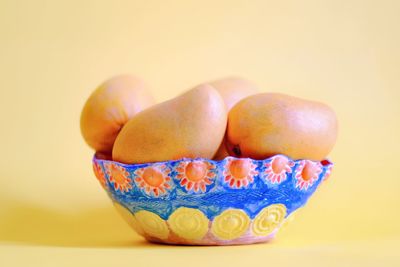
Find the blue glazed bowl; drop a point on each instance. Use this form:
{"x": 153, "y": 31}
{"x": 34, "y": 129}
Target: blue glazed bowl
{"x": 206, "y": 202}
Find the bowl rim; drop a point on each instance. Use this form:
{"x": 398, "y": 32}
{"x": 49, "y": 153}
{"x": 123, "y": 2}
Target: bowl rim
{"x": 326, "y": 162}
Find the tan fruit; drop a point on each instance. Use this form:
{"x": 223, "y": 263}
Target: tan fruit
{"x": 232, "y": 90}
{"x": 189, "y": 126}
{"x": 266, "y": 124}
{"x": 109, "y": 107}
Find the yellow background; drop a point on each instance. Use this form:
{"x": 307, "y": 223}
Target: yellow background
{"x": 53, "y": 53}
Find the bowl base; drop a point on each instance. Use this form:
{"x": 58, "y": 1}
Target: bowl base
{"x": 235, "y": 242}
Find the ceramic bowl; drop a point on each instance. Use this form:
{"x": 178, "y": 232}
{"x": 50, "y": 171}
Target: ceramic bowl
{"x": 206, "y": 202}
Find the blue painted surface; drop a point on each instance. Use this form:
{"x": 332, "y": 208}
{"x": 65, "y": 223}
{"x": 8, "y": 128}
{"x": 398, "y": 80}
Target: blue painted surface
{"x": 218, "y": 196}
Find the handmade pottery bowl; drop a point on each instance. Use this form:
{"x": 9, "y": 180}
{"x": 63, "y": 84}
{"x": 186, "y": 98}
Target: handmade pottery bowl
{"x": 206, "y": 202}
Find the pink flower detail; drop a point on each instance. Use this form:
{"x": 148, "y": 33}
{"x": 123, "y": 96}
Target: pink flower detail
{"x": 239, "y": 173}
{"x": 306, "y": 173}
{"x": 278, "y": 168}
{"x": 154, "y": 180}
{"x": 195, "y": 175}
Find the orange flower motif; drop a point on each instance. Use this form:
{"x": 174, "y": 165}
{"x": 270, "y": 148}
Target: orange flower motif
{"x": 307, "y": 173}
{"x": 153, "y": 179}
{"x": 278, "y": 168}
{"x": 239, "y": 173}
{"x": 98, "y": 171}
{"x": 195, "y": 175}
{"x": 119, "y": 176}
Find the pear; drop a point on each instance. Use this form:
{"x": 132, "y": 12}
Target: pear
{"x": 266, "y": 124}
{"x": 191, "y": 125}
{"x": 109, "y": 107}
{"x": 232, "y": 90}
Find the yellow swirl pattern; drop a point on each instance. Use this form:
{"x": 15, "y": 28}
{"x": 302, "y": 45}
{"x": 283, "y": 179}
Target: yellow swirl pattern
{"x": 152, "y": 224}
{"x": 188, "y": 223}
{"x": 129, "y": 218}
{"x": 230, "y": 224}
{"x": 268, "y": 219}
